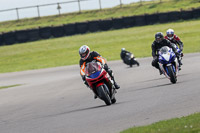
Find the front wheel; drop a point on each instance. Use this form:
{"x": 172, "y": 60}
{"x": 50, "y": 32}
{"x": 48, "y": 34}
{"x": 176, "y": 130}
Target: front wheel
{"x": 103, "y": 93}
{"x": 135, "y": 62}
{"x": 172, "y": 74}
{"x": 131, "y": 62}
{"x": 138, "y": 64}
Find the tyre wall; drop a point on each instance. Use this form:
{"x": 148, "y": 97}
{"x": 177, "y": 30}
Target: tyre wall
{"x": 28, "y": 35}
{"x": 45, "y": 32}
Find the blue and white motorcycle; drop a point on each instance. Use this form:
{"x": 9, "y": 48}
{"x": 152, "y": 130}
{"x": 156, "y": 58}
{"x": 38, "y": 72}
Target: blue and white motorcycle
{"x": 168, "y": 63}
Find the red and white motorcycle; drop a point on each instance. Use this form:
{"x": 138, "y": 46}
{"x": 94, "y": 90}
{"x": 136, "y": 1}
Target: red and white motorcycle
{"x": 100, "y": 82}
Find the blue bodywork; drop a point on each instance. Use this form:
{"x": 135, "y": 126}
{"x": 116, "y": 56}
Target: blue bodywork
{"x": 95, "y": 75}
{"x": 165, "y": 62}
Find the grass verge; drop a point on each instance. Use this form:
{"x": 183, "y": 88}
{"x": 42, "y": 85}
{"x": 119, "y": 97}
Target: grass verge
{"x": 126, "y": 10}
{"x": 188, "y": 124}
{"x": 64, "y": 51}
{"x": 4, "y": 87}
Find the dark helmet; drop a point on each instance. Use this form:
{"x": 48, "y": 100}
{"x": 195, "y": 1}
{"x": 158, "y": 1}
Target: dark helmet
{"x": 159, "y": 37}
{"x": 84, "y": 52}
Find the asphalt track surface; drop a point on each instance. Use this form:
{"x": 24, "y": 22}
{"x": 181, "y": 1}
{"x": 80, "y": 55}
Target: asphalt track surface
{"x": 55, "y": 100}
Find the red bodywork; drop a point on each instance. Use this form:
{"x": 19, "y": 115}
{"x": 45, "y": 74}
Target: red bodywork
{"x": 103, "y": 78}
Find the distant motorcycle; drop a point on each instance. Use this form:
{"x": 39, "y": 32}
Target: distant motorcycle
{"x": 168, "y": 63}
{"x": 100, "y": 82}
{"x": 130, "y": 60}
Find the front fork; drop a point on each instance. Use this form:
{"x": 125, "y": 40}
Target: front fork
{"x": 174, "y": 68}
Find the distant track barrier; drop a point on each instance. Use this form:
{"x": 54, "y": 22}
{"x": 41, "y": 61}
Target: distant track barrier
{"x": 45, "y": 32}
{"x": 29, "y": 35}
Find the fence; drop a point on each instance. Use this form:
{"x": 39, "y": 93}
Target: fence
{"x": 69, "y": 6}
{"x": 94, "y": 26}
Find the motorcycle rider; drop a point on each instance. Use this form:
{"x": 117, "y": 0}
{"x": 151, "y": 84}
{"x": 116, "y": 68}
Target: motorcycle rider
{"x": 87, "y": 56}
{"x": 158, "y": 43}
{"x": 174, "y": 39}
{"x": 123, "y": 54}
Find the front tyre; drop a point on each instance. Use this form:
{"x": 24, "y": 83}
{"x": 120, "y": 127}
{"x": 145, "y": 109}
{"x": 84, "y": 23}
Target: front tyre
{"x": 138, "y": 64}
{"x": 104, "y": 94}
{"x": 172, "y": 74}
{"x": 131, "y": 62}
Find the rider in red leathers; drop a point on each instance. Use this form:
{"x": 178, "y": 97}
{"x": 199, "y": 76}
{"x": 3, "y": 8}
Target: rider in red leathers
{"x": 175, "y": 40}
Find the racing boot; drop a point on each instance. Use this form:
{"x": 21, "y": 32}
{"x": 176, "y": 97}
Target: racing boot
{"x": 116, "y": 85}
{"x": 179, "y": 65}
{"x": 95, "y": 96}
{"x": 160, "y": 71}
{"x": 109, "y": 71}
{"x": 179, "y": 62}
{"x": 112, "y": 77}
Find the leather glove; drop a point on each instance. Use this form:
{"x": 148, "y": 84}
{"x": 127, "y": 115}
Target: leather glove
{"x": 85, "y": 82}
{"x": 105, "y": 67}
{"x": 181, "y": 54}
{"x": 177, "y": 54}
{"x": 155, "y": 57}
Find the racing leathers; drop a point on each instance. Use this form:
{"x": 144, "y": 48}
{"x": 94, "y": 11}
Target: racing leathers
{"x": 176, "y": 40}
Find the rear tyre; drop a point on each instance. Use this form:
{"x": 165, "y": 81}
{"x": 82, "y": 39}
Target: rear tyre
{"x": 113, "y": 100}
{"x": 172, "y": 74}
{"x": 104, "y": 94}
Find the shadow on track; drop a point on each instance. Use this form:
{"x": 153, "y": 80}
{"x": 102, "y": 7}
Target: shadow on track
{"x": 75, "y": 110}
{"x": 153, "y": 86}
{"x": 151, "y": 80}
{"x": 83, "y": 109}
{"x": 162, "y": 78}
{"x": 145, "y": 88}
{"x": 79, "y": 110}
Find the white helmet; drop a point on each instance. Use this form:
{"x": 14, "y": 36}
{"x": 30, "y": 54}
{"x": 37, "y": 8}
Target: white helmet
{"x": 170, "y": 34}
{"x": 84, "y": 52}
{"x": 123, "y": 49}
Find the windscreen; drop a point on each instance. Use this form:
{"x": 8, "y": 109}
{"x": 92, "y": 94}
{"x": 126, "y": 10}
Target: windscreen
{"x": 164, "y": 50}
{"x": 92, "y": 68}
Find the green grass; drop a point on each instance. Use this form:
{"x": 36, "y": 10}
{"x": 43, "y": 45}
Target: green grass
{"x": 189, "y": 124}
{"x": 126, "y": 10}
{"x": 4, "y": 87}
{"x": 64, "y": 51}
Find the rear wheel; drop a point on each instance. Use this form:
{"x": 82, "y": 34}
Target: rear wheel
{"x": 113, "y": 100}
{"x": 172, "y": 74}
{"x": 104, "y": 94}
